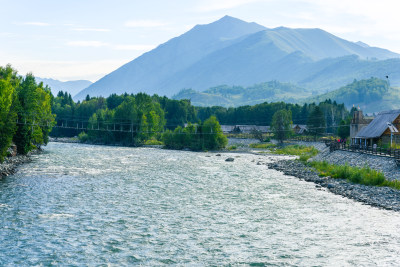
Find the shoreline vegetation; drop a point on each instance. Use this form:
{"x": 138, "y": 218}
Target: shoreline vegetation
{"x": 363, "y": 184}
{"x": 25, "y": 118}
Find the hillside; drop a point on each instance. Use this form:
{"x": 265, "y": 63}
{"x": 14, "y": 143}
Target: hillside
{"x": 72, "y": 87}
{"x": 148, "y": 72}
{"x": 231, "y": 51}
{"x": 233, "y": 96}
{"x": 371, "y": 95}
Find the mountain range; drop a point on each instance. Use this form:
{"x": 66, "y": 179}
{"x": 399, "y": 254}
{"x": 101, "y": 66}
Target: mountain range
{"x": 234, "y": 96}
{"x": 234, "y": 52}
{"x": 72, "y": 87}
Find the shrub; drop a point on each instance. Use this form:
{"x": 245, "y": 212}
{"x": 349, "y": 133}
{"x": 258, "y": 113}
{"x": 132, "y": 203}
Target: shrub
{"x": 83, "y": 137}
{"x": 305, "y": 152}
{"x": 262, "y": 145}
{"x": 153, "y": 142}
{"x": 365, "y": 175}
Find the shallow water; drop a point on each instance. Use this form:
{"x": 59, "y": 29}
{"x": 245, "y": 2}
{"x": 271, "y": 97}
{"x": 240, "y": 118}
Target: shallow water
{"x": 94, "y": 205}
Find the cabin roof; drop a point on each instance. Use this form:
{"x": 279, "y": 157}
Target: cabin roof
{"x": 379, "y": 125}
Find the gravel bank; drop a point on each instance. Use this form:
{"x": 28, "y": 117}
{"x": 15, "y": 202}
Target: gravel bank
{"x": 387, "y": 165}
{"x": 9, "y": 166}
{"x": 382, "y": 197}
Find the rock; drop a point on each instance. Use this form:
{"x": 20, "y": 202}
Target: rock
{"x": 330, "y": 186}
{"x": 218, "y": 155}
{"x": 230, "y": 159}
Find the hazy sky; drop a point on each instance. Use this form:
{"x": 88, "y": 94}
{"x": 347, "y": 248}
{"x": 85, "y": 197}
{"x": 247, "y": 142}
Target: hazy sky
{"x": 86, "y": 39}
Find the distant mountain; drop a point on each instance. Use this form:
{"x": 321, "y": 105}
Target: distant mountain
{"x": 72, "y": 87}
{"x": 231, "y": 51}
{"x": 233, "y": 96}
{"x": 371, "y": 95}
{"x": 148, "y": 72}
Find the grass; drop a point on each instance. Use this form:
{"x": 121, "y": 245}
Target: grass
{"x": 365, "y": 175}
{"x": 233, "y": 147}
{"x": 262, "y": 145}
{"x": 153, "y": 142}
{"x": 305, "y": 152}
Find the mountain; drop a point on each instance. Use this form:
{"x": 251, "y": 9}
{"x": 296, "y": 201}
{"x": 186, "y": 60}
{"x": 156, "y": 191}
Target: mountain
{"x": 233, "y": 96}
{"x": 148, "y": 72}
{"x": 231, "y": 51}
{"x": 72, "y": 87}
{"x": 371, "y": 95}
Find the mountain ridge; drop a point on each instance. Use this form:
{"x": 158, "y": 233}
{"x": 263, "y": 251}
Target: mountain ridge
{"x": 72, "y": 87}
{"x": 232, "y": 51}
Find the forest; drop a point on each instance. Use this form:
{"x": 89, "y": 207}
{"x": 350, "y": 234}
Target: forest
{"x": 29, "y": 113}
{"x": 134, "y": 119}
{"x": 25, "y": 112}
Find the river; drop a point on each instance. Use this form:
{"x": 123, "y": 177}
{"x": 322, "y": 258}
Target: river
{"x": 111, "y": 206}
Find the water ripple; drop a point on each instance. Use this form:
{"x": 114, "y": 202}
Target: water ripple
{"x": 91, "y": 205}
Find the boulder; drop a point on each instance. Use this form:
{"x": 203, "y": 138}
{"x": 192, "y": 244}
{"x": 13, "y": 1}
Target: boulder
{"x": 230, "y": 159}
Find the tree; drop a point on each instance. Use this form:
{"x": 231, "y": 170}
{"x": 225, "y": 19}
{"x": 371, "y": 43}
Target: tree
{"x": 257, "y": 134}
{"x": 34, "y": 115}
{"x": 282, "y": 124}
{"x": 204, "y": 137}
{"x": 8, "y": 113}
{"x": 344, "y": 129}
{"x": 316, "y": 122}
{"x": 212, "y": 134}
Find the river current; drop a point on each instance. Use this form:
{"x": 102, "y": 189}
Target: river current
{"x": 80, "y": 205}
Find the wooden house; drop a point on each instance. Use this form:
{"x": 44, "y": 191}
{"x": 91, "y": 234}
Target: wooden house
{"x": 299, "y": 128}
{"x": 383, "y": 128}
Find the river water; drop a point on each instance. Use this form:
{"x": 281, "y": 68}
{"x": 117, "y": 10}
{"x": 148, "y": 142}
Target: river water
{"x": 81, "y": 205}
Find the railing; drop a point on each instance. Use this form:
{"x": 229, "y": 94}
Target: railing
{"x": 371, "y": 150}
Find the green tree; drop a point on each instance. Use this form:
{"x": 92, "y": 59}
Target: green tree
{"x": 212, "y": 134}
{"x": 281, "y": 124}
{"x": 344, "y": 129}
{"x": 34, "y": 115}
{"x": 8, "y": 113}
{"x": 316, "y": 122}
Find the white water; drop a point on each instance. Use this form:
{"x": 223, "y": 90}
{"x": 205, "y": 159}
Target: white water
{"x": 94, "y": 205}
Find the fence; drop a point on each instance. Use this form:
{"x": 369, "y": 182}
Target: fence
{"x": 371, "y": 150}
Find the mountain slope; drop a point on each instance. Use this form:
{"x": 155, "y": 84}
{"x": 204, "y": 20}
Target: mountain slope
{"x": 72, "y": 87}
{"x": 148, "y": 71}
{"x": 371, "y": 95}
{"x": 231, "y": 51}
{"x": 233, "y": 96}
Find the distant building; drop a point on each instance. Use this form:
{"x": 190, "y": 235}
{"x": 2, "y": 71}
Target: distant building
{"x": 358, "y": 122}
{"x": 227, "y": 128}
{"x": 244, "y": 128}
{"x": 384, "y": 128}
{"x": 299, "y": 128}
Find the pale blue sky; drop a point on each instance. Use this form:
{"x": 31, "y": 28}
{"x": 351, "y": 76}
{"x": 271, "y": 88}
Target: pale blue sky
{"x": 86, "y": 39}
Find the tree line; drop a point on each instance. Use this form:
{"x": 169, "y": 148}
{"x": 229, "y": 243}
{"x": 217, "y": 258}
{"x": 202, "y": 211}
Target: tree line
{"x": 132, "y": 119}
{"x": 25, "y": 112}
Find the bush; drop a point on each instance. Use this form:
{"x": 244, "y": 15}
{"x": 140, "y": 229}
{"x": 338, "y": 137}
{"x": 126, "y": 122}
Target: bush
{"x": 83, "y": 137}
{"x": 365, "y": 175}
{"x": 153, "y": 142}
{"x": 262, "y": 145}
{"x": 305, "y": 152}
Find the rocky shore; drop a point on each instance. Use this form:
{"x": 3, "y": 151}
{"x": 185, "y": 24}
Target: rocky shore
{"x": 72, "y": 140}
{"x": 382, "y": 197}
{"x": 10, "y": 165}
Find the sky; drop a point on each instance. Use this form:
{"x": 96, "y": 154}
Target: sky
{"x": 87, "y": 39}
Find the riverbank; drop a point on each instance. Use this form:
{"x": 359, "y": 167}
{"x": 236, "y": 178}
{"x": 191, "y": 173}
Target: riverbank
{"x": 382, "y": 197}
{"x": 10, "y": 165}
